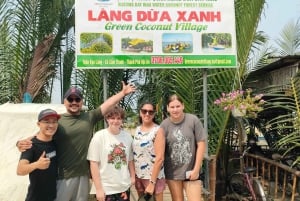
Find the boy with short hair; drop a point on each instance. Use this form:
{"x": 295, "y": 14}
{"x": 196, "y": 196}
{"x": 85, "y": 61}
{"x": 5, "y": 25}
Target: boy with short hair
{"x": 40, "y": 160}
{"x": 111, "y": 159}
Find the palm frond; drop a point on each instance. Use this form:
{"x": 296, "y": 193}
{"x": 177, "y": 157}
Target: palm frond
{"x": 289, "y": 41}
{"x": 40, "y": 70}
{"x": 247, "y": 12}
{"x": 287, "y": 124}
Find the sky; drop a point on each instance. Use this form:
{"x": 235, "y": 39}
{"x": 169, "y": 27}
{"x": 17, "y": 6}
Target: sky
{"x": 277, "y": 13}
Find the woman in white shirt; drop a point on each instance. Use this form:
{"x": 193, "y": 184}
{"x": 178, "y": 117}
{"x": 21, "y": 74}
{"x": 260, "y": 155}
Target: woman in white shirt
{"x": 144, "y": 154}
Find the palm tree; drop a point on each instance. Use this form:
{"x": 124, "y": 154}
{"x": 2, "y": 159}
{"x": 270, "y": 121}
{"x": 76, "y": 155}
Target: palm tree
{"x": 30, "y": 47}
{"x": 289, "y": 41}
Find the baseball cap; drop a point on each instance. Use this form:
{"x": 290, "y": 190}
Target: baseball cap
{"x": 47, "y": 113}
{"x": 73, "y": 91}
{"x": 146, "y": 197}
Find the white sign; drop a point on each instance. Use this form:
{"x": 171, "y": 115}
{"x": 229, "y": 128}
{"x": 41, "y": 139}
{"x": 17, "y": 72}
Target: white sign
{"x": 155, "y": 34}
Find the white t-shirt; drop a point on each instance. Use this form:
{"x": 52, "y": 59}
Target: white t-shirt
{"x": 113, "y": 152}
{"x": 144, "y": 155}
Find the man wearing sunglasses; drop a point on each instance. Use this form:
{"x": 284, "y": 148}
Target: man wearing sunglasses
{"x": 72, "y": 139}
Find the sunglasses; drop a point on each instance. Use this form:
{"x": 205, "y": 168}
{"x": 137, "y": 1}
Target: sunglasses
{"x": 70, "y": 100}
{"x": 150, "y": 112}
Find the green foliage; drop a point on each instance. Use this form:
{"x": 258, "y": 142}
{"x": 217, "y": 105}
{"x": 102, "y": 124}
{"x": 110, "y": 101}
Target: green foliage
{"x": 95, "y": 43}
{"x": 289, "y": 41}
{"x": 23, "y": 25}
{"x": 108, "y": 39}
{"x": 287, "y": 125}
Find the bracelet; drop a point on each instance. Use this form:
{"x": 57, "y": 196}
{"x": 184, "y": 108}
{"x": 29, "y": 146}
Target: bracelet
{"x": 152, "y": 182}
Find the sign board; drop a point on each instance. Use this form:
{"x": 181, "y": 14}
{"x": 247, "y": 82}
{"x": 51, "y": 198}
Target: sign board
{"x": 155, "y": 34}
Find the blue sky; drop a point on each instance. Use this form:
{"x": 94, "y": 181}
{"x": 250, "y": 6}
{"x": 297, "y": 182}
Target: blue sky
{"x": 277, "y": 13}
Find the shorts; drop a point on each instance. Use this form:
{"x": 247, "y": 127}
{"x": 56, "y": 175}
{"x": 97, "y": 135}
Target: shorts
{"x": 124, "y": 196}
{"x": 73, "y": 189}
{"x": 141, "y": 184}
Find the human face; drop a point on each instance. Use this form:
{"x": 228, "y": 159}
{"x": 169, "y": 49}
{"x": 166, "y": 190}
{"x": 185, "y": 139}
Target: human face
{"x": 73, "y": 104}
{"x": 48, "y": 126}
{"x": 114, "y": 123}
{"x": 175, "y": 109}
{"x": 147, "y": 113}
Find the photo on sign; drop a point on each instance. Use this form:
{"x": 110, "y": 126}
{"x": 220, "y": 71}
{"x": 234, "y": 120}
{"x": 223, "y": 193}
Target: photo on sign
{"x": 96, "y": 43}
{"x": 212, "y": 42}
{"x": 104, "y": 2}
{"x": 177, "y": 43}
{"x": 133, "y": 43}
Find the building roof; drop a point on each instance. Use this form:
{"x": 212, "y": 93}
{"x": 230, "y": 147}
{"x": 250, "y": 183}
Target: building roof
{"x": 280, "y": 63}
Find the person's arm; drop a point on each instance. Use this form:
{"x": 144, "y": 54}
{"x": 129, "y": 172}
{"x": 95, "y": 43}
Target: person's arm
{"x": 94, "y": 167}
{"x": 198, "y": 162}
{"x": 25, "y": 167}
{"x": 131, "y": 171}
{"x": 159, "y": 148}
{"x": 113, "y": 100}
{"x": 25, "y": 144}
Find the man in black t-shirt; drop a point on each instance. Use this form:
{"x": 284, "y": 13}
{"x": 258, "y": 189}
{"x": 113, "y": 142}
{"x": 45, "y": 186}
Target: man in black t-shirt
{"x": 40, "y": 160}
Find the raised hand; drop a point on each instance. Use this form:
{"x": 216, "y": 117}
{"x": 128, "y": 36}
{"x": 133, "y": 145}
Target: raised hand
{"x": 129, "y": 88}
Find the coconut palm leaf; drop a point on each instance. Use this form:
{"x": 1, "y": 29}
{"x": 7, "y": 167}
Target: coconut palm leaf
{"x": 6, "y": 53}
{"x": 26, "y": 23}
{"x": 219, "y": 81}
{"x": 225, "y": 80}
{"x": 287, "y": 125}
{"x": 289, "y": 41}
{"x": 260, "y": 54}
{"x": 185, "y": 83}
{"x": 91, "y": 82}
{"x": 40, "y": 69}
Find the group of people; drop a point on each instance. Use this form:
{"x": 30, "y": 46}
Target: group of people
{"x": 171, "y": 152}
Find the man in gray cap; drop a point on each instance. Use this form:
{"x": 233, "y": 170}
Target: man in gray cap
{"x": 72, "y": 141}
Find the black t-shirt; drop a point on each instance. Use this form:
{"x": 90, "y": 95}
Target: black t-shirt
{"x": 42, "y": 185}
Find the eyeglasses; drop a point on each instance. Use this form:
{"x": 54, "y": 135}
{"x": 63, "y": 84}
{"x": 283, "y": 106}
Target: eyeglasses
{"x": 70, "y": 100}
{"x": 150, "y": 112}
{"x": 49, "y": 122}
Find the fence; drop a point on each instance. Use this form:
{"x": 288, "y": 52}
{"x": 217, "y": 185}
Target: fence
{"x": 279, "y": 181}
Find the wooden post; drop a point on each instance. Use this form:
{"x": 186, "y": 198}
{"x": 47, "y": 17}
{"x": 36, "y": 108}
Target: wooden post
{"x": 212, "y": 177}
{"x": 241, "y": 134}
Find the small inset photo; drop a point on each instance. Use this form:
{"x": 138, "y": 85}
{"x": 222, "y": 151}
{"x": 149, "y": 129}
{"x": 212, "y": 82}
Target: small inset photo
{"x": 215, "y": 42}
{"x": 96, "y": 43}
{"x": 137, "y": 43}
{"x": 177, "y": 43}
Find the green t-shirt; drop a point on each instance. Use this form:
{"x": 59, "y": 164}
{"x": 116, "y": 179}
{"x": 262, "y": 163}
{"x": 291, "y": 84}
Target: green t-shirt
{"x": 72, "y": 141}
